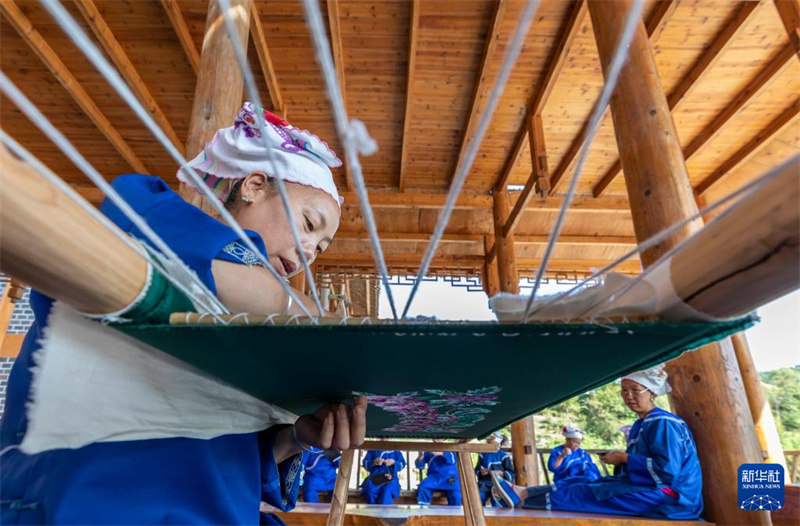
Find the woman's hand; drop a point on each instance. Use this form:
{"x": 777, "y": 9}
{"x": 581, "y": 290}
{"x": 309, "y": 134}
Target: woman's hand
{"x": 389, "y": 462}
{"x": 615, "y": 458}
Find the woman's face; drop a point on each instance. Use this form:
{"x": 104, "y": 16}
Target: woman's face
{"x": 573, "y": 443}
{"x": 314, "y": 213}
{"x": 637, "y": 397}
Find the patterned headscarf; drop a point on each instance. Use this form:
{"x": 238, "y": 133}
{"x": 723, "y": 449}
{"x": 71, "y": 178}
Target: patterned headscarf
{"x": 571, "y": 432}
{"x": 654, "y": 379}
{"x": 236, "y": 152}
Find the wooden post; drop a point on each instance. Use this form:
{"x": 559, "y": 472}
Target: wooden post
{"x": 766, "y": 430}
{"x": 489, "y": 276}
{"x": 707, "y": 390}
{"x": 473, "y": 507}
{"x": 339, "y": 497}
{"x": 219, "y": 89}
{"x": 523, "y": 436}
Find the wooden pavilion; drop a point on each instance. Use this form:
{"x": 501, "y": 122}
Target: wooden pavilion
{"x": 708, "y": 101}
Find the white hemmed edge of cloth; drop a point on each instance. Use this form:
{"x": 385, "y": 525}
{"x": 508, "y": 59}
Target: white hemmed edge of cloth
{"x": 92, "y": 383}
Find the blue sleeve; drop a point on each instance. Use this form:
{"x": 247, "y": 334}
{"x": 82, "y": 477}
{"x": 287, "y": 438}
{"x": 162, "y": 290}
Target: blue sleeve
{"x": 399, "y": 461}
{"x": 508, "y": 468}
{"x": 592, "y": 472}
{"x": 367, "y": 462}
{"x": 479, "y": 464}
{"x": 666, "y": 444}
{"x": 551, "y": 462}
{"x": 450, "y": 457}
{"x": 420, "y": 462}
{"x": 196, "y": 237}
{"x": 280, "y": 483}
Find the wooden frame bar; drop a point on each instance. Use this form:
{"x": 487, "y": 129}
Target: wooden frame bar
{"x": 173, "y": 12}
{"x": 412, "y": 57}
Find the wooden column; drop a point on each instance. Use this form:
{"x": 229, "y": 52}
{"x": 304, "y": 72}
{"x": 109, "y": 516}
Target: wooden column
{"x": 339, "y": 496}
{"x": 707, "y": 388}
{"x": 489, "y": 276}
{"x": 766, "y": 430}
{"x": 219, "y": 89}
{"x": 523, "y": 435}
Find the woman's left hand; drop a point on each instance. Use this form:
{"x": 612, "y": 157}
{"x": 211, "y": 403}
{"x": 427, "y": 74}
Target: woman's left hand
{"x": 615, "y": 458}
{"x": 335, "y": 426}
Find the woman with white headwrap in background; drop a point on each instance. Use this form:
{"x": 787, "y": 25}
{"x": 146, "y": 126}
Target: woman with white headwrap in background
{"x": 658, "y": 474}
{"x": 569, "y": 463}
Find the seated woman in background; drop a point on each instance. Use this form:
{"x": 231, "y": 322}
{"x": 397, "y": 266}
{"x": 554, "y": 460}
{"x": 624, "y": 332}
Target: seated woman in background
{"x": 659, "y": 473}
{"x": 319, "y": 473}
{"x": 569, "y": 463}
{"x": 499, "y": 462}
{"x": 382, "y": 485}
{"x": 442, "y": 476}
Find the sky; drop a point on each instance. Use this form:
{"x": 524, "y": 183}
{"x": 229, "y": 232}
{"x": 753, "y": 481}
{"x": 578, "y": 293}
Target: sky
{"x": 774, "y": 342}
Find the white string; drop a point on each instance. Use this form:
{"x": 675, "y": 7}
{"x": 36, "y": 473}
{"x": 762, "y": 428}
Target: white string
{"x": 666, "y": 233}
{"x": 82, "y": 41}
{"x": 254, "y": 97}
{"x": 747, "y": 190}
{"x": 351, "y": 135}
{"x": 203, "y": 296}
{"x": 459, "y": 178}
{"x": 620, "y": 56}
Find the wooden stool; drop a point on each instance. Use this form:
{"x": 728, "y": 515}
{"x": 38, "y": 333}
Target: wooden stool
{"x": 473, "y": 507}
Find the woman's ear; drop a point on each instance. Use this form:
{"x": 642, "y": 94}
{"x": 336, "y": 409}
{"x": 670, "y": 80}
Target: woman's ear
{"x": 254, "y": 186}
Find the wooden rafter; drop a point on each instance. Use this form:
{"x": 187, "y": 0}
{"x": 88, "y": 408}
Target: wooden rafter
{"x": 475, "y": 239}
{"x": 554, "y": 67}
{"x": 175, "y": 16}
{"x": 654, "y": 26}
{"x": 412, "y": 58}
{"x": 40, "y": 46}
{"x": 482, "y": 86}
{"x": 126, "y": 68}
{"x": 538, "y": 174}
{"x": 265, "y": 60}
{"x": 789, "y": 11}
{"x": 702, "y": 65}
{"x": 753, "y": 146}
{"x": 338, "y": 63}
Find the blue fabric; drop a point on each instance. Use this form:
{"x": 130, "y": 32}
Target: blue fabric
{"x": 319, "y": 474}
{"x": 576, "y": 467}
{"x": 442, "y": 476}
{"x": 384, "y": 493}
{"x": 498, "y": 461}
{"x": 166, "y": 481}
{"x": 661, "y": 454}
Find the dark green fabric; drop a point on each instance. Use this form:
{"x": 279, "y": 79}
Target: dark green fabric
{"x": 161, "y": 300}
{"x": 535, "y": 365}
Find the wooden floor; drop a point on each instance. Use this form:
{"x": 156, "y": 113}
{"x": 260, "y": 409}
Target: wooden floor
{"x": 413, "y": 515}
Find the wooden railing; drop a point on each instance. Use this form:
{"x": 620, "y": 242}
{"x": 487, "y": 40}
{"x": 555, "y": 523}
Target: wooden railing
{"x": 791, "y": 463}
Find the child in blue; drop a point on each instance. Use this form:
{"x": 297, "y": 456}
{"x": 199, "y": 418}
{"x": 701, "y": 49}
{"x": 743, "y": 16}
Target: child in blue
{"x": 184, "y": 480}
{"x": 658, "y": 475}
{"x": 499, "y": 463}
{"x": 320, "y": 473}
{"x": 569, "y": 463}
{"x": 442, "y": 476}
{"x": 382, "y": 485}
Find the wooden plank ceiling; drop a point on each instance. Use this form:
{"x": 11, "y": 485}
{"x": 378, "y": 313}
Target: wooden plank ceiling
{"x": 418, "y": 73}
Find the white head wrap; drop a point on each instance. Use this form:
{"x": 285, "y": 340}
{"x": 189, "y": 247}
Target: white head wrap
{"x": 654, "y": 379}
{"x": 236, "y": 152}
{"x": 572, "y": 432}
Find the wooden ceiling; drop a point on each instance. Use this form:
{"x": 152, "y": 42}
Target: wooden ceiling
{"x": 418, "y": 73}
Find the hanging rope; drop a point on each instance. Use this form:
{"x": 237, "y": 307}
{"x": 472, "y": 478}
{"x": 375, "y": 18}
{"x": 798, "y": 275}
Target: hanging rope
{"x": 458, "y": 181}
{"x": 353, "y": 136}
{"x": 79, "y": 37}
{"x": 620, "y": 55}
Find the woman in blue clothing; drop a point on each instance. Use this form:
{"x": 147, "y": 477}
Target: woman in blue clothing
{"x": 658, "y": 474}
{"x": 442, "y": 476}
{"x": 498, "y": 462}
{"x": 382, "y": 485}
{"x": 319, "y": 473}
{"x": 569, "y": 463}
{"x": 184, "y": 480}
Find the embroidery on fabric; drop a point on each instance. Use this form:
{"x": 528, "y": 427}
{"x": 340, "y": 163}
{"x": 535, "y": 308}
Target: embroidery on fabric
{"x": 243, "y": 254}
{"x": 291, "y": 478}
{"x": 437, "y": 410}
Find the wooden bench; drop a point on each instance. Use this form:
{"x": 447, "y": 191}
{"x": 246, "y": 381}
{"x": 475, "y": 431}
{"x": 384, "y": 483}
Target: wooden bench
{"x": 412, "y": 515}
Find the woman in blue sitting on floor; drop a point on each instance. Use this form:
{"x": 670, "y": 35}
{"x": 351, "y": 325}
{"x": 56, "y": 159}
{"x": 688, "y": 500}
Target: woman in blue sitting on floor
{"x": 658, "y": 474}
{"x": 382, "y": 485}
{"x": 569, "y": 463}
{"x": 182, "y": 480}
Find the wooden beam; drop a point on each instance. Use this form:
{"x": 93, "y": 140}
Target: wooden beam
{"x": 539, "y": 181}
{"x": 175, "y": 16}
{"x": 519, "y": 239}
{"x": 482, "y": 86}
{"x": 265, "y": 60}
{"x": 554, "y": 67}
{"x": 655, "y": 25}
{"x": 412, "y": 59}
{"x": 338, "y": 63}
{"x": 126, "y": 68}
{"x": 789, "y": 11}
{"x": 489, "y": 276}
{"x": 702, "y": 65}
{"x": 40, "y": 46}
{"x": 407, "y": 445}
{"x": 752, "y": 147}
{"x": 706, "y": 392}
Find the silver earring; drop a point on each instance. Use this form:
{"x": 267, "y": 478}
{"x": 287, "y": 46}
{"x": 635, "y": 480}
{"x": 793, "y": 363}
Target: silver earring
{"x": 245, "y": 199}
